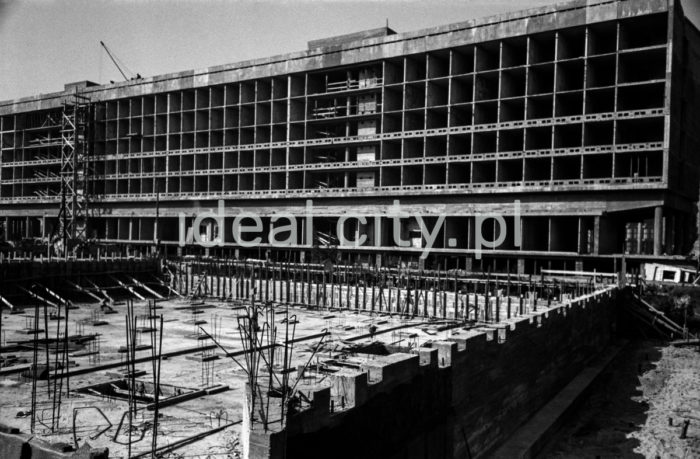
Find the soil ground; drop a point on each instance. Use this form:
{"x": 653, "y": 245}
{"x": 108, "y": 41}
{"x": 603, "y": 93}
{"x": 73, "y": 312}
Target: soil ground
{"x": 638, "y": 408}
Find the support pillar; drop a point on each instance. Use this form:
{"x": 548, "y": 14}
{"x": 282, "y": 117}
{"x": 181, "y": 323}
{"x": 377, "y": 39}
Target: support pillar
{"x": 658, "y": 216}
{"x": 468, "y": 267}
{"x": 596, "y": 235}
{"x": 640, "y": 237}
{"x": 579, "y": 241}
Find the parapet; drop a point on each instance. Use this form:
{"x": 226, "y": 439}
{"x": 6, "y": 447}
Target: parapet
{"x": 350, "y": 37}
{"x": 350, "y": 388}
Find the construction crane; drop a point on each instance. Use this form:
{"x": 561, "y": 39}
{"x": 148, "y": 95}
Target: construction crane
{"x": 116, "y": 64}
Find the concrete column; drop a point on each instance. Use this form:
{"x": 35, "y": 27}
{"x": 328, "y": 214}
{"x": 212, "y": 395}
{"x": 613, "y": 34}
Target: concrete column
{"x": 346, "y": 175}
{"x": 596, "y": 234}
{"x": 639, "y": 237}
{"x": 658, "y": 216}
{"x": 579, "y": 241}
{"x": 208, "y": 231}
{"x": 468, "y": 264}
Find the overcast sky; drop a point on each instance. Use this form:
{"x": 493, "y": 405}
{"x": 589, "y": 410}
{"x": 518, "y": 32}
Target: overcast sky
{"x": 47, "y": 43}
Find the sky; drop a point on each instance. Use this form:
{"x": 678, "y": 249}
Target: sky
{"x": 47, "y": 43}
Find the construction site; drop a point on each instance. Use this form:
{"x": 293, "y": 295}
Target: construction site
{"x": 434, "y": 244}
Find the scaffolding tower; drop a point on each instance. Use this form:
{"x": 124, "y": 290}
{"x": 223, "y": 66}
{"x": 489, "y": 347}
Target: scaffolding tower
{"x": 74, "y": 176}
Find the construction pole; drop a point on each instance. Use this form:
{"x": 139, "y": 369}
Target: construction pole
{"x": 357, "y": 289}
{"x": 487, "y": 306}
{"x": 65, "y": 350}
{"x": 443, "y": 292}
{"x": 58, "y": 383}
{"x": 129, "y": 345}
{"x": 434, "y": 286}
{"x": 308, "y": 286}
{"x": 156, "y": 389}
{"x": 364, "y": 291}
{"x": 266, "y": 269}
{"x": 294, "y": 282}
{"x": 456, "y": 300}
{"x": 409, "y": 303}
{"x": 374, "y": 287}
{"x": 46, "y": 347}
{"x": 35, "y": 372}
{"x": 390, "y": 304}
{"x": 347, "y": 286}
{"x": 382, "y": 280}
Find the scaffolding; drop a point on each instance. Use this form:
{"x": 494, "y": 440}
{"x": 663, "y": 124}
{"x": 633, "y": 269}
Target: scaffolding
{"x": 74, "y": 175}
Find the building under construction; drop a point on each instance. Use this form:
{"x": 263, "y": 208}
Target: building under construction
{"x": 584, "y": 113}
{"x": 446, "y": 219}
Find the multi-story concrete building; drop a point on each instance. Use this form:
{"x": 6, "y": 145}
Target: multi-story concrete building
{"x": 584, "y": 112}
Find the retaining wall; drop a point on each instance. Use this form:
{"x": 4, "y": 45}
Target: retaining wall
{"x": 457, "y": 398}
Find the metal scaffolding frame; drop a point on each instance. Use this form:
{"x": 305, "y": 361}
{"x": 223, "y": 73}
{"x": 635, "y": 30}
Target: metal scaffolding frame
{"x": 75, "y": 173}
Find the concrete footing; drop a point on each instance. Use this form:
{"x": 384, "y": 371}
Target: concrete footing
{"x": 17, "y": 445}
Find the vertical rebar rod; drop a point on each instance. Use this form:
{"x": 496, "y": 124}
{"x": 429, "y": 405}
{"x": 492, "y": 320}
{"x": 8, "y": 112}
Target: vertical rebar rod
{"x": 46, "y": 348}
{"x": 35, "y": 367}
{"x": 65, "y": 350}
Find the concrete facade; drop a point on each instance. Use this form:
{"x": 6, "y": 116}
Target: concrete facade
{"x": 582, "y": 112}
